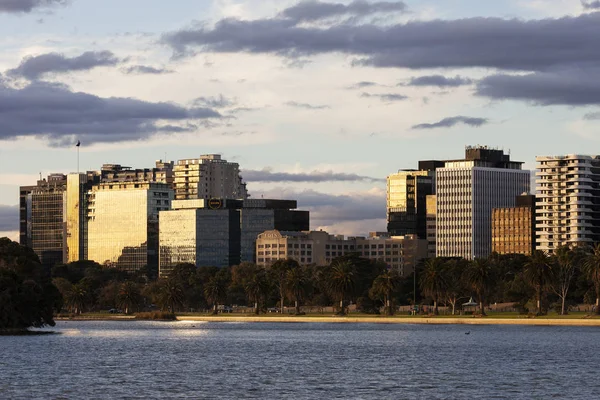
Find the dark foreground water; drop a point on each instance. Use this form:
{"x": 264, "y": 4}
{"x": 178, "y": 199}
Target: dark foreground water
{"x": 143, "y": 360}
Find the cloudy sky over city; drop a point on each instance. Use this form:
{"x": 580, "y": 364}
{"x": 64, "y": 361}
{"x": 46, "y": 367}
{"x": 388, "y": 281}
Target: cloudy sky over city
{"x": 316, "y": 100}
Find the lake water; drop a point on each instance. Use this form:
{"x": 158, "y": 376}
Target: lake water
{"x": 142, "y": 360}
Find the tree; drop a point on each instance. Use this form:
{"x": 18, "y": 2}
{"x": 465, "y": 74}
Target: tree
{"x": 433, "y": 281}
{"x": 479, "y": 277}
{"x": 215, "y": 290}
{"x": 129, "y": 296}
{"x": 296, "y": 286}
{"x": 453, "y": 283}
{"x": 341, "y": 281}
{"x": 538, "y": 273}
{"x": 171, "y": 294}
{"x": 564, "y": 268}
{"x": 256, "y": 287}
{"x": 383, "y": 287}
{"x": 77, "y": 298}
{"x": 279, "y": 270}
{"x": 591, "y": 268}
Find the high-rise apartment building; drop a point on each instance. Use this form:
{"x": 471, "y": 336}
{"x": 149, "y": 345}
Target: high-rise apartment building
{"x": 122, "y": 226}
{"x": 42, "y": 218}
{"x": 467, "y": 190}
{"x": 162, "y": 173}
{"x": 568, "y": 205}
{"x": 513, "y": 228}
{"x": 208, "y": 177}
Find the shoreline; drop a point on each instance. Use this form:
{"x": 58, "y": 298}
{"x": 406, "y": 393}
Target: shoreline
{"x": 365, "y": 320}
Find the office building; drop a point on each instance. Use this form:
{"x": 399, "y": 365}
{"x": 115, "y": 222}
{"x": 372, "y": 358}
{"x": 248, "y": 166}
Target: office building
{"x": 42, "y": 218}
{"x": 431, "y": 232}
{"x": 208, "y": 177}
{"x": 259, "y": 215}
{"x": 568, "y": 201}
{"x": 513, "y": 228}
{"x": 200, "y": 232}
{"x": 123, "y": 223}
{"x": 162, "y": 173}
{"x": 320, "y": 248}
{"x": 467, "y": 190}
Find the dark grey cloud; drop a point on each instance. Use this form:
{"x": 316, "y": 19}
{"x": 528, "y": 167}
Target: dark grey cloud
{"x": 437, "y": 80}
{"x": 509, "y": 44}
{"x": 329, "y": 209}
{"x": 25, "y": 6}
{"x": 591, "y": 5}
{"x": 33, "y": 67}
{"x": 145, "y": 69}
{"x": 219, "y": 101}
{"x": 592, "y": 116}
{"x": 306, "y": 106}
{"x": 574, "y": 87}
{"x": 451, "y": 121}
{"x": 314, "y": 10}
{"x": 385, "y": 97}
{"x": 63, "y": 116}
{"x": 362, "y": 85}
{"x": 267, "y": 175}
{"x": 9, "y": 218}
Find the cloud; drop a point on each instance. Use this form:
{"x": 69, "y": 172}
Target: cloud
{"x": 62, "y": 116}
{"x": 314, "y": 10}
{"x": 362, "y": 85}
{"x": 306, "y": 106}
{"x": 451, "y": 121}
{"x": 336, "y": 209}
{"x": 591, "y": 5}
{"x": 214, "y": 102}
{"x": 592, "y": 116}
{"x": 9, "y": 218}
{"x": 437, "y": 80}
{"x": 508, "y": 44}
{"x": 33, "y": 67}
{"x": 16, "y": 6}
{"x": 145, "y": 69}
{"x": 385, "y": 97}
{"x": 574, "y": 87}
{"x": 266, "y": 175}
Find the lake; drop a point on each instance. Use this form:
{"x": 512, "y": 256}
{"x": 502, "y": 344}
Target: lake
{"x": 170, "y": 360}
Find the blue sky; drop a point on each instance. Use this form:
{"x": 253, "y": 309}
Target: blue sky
{"x": 325, "y": 93}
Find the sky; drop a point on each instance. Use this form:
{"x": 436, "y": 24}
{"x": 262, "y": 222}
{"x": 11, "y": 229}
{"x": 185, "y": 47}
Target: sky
{"x": 316, "y": 100}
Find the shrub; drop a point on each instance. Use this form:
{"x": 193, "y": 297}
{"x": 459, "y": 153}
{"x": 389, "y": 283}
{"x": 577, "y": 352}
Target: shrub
{"x": 156, "y": 315}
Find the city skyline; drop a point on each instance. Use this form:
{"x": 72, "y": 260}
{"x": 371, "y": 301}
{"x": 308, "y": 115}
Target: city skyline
{"x": 321, "y": 124}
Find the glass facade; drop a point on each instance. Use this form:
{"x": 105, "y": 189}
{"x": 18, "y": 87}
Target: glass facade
{"x": 123, "y": 223}
{"x": 76, "y": 217}
{"x": 406, "y": 202}
{"x": 202, "y": 237}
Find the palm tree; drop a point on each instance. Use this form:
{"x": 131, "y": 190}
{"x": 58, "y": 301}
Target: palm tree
{"x": 214, "y": 290}
{"x": 256, "y": 288}
{"x": 591, "y": 268}
{"x": 383, "y": 287}
{"x": 433, "y": 281}
{"x": 172, "y": 294}
{"x": 77, "y": 298}
{"x": 341, "y": 281}
{"x": 129, "y": 296}
{"x": 296, "y": 286}
{"x": 478, "y": 276}
{"x": 538, "y": 273}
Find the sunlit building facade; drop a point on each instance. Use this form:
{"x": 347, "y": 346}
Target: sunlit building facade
{"x": 431, "y": 230}
{"x": 208, "y": 177}
{"x": 123, "y": 223}
{"x": 406, "y": 201}
{"x": 513, "y": 228}
{"x": 467, "y": 190}
{"x": 568, "y": 207}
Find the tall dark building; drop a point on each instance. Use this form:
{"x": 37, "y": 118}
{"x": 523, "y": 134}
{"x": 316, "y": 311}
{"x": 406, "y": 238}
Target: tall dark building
{"x": 43, "y": 218}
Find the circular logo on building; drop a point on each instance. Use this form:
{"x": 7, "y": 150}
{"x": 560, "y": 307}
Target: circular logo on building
{"x": 215, "y": 204}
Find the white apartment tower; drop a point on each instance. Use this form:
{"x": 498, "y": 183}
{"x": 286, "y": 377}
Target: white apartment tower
{"x": 467, "y": 191}
{"x": 208, "y": 177}
{"x": 568, "y": 208}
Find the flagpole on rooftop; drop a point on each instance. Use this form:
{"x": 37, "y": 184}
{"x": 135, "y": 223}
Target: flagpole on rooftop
{"x": 78, "y": 145}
